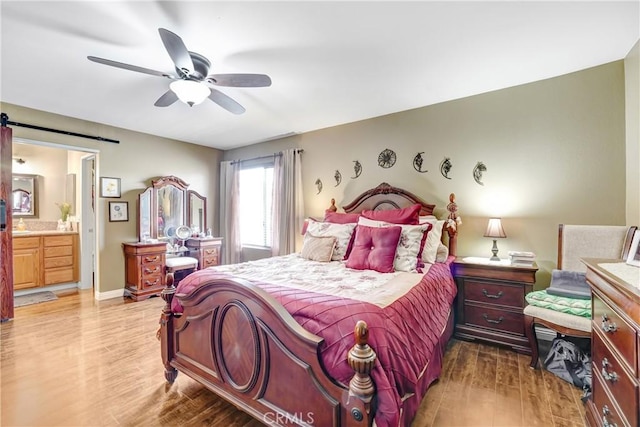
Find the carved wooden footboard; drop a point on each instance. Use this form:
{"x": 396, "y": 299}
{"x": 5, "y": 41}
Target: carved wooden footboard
{"x": 239, "y": 342}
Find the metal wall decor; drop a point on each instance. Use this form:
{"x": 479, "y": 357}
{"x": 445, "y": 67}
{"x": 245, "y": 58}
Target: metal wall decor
{"x": 417, "y": 162}
{"x": 445, "y": 167}
{"x": 318, "y": 185}
{"x": 477, "y": 172}
{"x": 357, "y": 169}
{"x": 338, "y": 177}
{"x": 386, "y": 158}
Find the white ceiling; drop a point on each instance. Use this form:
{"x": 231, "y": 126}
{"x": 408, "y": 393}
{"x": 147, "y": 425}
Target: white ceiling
{"x": 330, "y": 62}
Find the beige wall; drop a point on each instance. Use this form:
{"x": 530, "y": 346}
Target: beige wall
{"x": 554, "y": 152}
{"x": 632, "y": 109}
{"x": 136, "y": 160}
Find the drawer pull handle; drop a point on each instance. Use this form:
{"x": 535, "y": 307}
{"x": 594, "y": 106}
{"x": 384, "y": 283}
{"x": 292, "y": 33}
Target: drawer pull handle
{"x": 605, "y": 414}
{"x": 150, "y": 259}
{"x": 500, "y": 319}
{"x": 607, "y": 325}
{"x": 148, "y": 283}
{"x": 612, "y": 377}
{"x": 210, "y": 251}
{"x": 488, "y": 295}
{"x": 149, "y": 271}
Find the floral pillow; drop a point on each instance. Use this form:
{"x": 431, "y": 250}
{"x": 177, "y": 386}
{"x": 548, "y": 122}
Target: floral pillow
{"x": 342, "y": 233}
{"x": 410, "y": 245}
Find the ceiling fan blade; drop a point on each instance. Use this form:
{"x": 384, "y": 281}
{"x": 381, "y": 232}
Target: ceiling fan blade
{"x": 129, "y": 67}
{"x": 226, "y": 102}
{"x": 167, "y": 99}
{"x": 177, "y": 51}
{"x": 240, "y": 80}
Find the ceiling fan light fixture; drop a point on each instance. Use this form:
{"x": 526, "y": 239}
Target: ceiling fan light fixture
{"x": 190, "y": 92}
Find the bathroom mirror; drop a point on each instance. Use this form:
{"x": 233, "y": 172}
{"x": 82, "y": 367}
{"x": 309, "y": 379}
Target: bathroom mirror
{"x": 24, "y": 195}
{"x": 197, "y": 211}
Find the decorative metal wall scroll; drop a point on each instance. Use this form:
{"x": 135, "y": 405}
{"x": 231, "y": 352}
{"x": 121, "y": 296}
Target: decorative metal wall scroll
{"x": 338, "y": 177}
{"x": 386, "y": 158}
{"x": 318, "y": 185}
{"x": 357, "y": 169}
{"x": 477, "y": 172}
{"x": 417, "y": 162}
{"x": 445, "y": 167}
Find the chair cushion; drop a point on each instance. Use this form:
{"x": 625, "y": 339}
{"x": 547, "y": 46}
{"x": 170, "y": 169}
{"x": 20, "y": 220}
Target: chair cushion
{"x": 572, "y": 306}
{"x": 181, "y": 261}
{"x": 558, "y": 318}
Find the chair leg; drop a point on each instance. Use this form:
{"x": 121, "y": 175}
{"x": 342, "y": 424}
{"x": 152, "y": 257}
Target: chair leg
{"x": 529, "y": 330}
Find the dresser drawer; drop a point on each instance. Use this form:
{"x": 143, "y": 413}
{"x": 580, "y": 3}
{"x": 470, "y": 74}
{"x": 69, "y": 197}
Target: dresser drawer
{"x": 618, "y": 332}
{"x": 494, "y": 293}
{"x": 26, "y": 242}
{"x": 150, "y": 259}
{"x": 605, "y": 409}
{"x": 151, "y": 269}
{"x": 494, "y": 318}
{"x": 153, "y": 280}
{"x": 61, "y": 261}
{"x": 614, "y": 377}
{"x": 58, "y": 240}
{"x": 210, "y": 261}
{"x": 57, "y": 251}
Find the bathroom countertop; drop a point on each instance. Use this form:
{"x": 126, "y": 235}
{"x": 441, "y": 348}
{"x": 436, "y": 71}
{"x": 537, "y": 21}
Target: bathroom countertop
{"x": 28, "y": 233}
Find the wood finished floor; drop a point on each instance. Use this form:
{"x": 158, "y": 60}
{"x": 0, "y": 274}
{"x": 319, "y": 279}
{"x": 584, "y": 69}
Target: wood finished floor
{"x": 80, "y": 362}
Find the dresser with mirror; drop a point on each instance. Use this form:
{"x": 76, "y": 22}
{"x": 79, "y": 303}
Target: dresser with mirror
{"x": 171, "y": 222}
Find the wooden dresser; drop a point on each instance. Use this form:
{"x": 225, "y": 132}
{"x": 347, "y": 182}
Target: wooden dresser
{"x": 614, "y": 345}
{"x": 45, "y": 258}
{"x": 144, "y": 265}
{"x": 205, "y": 250}
{"x": 490, "y": 301}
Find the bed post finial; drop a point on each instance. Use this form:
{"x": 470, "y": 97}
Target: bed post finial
{"x": 453, "y": 221}
{"x": 165, "y": 333}
{"x": 333, "y": 208}
{"x": 361, "y": 358}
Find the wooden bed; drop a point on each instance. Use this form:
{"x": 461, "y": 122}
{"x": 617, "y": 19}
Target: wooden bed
{"x": 241, "y": 343}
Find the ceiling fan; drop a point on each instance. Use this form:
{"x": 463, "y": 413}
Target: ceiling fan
{"x": 192, "y": 82}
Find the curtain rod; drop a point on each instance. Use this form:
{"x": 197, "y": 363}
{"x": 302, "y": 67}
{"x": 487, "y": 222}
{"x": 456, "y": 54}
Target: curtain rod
{"x": 263, "y": 157}
{"x": 5, "y": 121}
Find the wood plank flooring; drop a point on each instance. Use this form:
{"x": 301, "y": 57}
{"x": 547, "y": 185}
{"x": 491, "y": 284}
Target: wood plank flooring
{"x": 81, "y": 362}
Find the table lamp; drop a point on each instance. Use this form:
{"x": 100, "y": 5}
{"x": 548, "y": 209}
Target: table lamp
{"x": 495, "y": 230}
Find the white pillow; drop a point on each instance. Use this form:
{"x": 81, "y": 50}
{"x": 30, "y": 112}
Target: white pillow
{"x": 342, "y": 233}
{"x": 408, "y": 249}
{"x": 442, "y": 253}
{"x": 317, "y": 248}
{"x": 430, "y": 250}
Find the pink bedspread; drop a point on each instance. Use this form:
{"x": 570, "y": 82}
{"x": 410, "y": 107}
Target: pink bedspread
{"x": 404, "y": 335}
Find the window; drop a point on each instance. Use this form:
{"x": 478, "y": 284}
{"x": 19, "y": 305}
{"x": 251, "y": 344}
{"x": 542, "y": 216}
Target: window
{"x": 256, "y": 196}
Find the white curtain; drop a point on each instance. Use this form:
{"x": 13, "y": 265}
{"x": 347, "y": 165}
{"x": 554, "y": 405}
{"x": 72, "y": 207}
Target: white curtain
{"x": 288, "y": 202}
{"x": 229, "y": 211}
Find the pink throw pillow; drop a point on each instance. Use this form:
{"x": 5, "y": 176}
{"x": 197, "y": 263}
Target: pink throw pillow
{"x": 409, "y": 215}
{"x": 340, "y": 218}
{"x": 374, "y": 248}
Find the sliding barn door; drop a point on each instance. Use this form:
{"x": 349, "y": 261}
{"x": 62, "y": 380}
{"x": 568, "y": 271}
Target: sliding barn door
{"x": 6, "y": 247}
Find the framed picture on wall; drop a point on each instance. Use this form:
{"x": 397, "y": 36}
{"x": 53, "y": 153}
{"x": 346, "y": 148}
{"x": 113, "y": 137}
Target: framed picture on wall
{"x": 109, "y": 187}
{"x": 118, "y": 211}
{"x": 634, "y": 252}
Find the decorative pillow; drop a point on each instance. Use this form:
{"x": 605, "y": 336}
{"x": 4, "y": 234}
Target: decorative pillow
{"x": 306, "y": 224}
{"x": 442, "y": 253}
{"x": 409, "y": 250}
{"x": 342, "y": 233}
{"x": 407, "y": 215}
{"x": 374, "y": 248}
{"x": 317, "y": 248}
{"x": 430, "y": 251}
{"x": 340, "y": 218}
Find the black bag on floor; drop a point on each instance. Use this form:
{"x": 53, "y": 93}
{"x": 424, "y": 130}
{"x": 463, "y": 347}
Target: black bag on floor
{"x": 567, "y": 361}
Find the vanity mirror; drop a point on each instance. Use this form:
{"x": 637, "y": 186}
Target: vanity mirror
{"x": 24, "y": 194}
{"x": 197, "y": 211}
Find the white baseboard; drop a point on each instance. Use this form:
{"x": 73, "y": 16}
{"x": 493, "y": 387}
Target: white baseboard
{"x": 118, "y": 293}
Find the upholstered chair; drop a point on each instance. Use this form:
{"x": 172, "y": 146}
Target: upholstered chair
{"x": 576, "y": 242}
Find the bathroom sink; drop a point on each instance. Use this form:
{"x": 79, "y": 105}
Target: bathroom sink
{"x": 18, "y": 232}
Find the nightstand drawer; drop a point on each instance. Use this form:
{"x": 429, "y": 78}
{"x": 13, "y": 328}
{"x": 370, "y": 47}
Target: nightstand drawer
{"x": 494, "y": 293}
{"x": 494, "y": 318}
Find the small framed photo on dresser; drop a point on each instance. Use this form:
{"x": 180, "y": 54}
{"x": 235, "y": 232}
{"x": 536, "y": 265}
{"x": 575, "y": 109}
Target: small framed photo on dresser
{"x": 118, "y": 211}
{"x": 634, "y": 252}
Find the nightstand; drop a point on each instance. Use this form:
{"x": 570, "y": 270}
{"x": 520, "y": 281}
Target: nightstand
{"x": 490, "y": 301}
